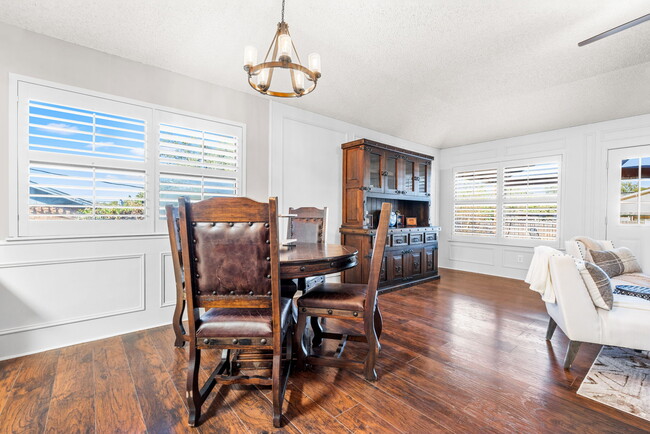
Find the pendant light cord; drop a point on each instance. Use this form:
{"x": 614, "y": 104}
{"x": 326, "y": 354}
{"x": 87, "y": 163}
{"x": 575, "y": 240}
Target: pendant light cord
{"x": 282, "y": 11}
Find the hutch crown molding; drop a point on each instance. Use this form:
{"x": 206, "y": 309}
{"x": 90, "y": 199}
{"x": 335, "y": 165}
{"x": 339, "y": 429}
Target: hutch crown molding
{"x": 374, "y": 173}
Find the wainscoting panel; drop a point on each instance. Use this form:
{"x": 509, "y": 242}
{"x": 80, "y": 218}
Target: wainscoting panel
{"x": 43, "y": 294}
{"x": 518, "y": 258}
{"x": 167, "y": 281}
{"x": 472, "y": 254}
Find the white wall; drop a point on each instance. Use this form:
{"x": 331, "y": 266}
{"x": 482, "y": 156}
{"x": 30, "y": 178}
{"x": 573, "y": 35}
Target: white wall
{"x": 60, "y": 292}
{"x": 57, "y": 292}
{"x": 305, "y": 161}
{"x": 584, "y": 186}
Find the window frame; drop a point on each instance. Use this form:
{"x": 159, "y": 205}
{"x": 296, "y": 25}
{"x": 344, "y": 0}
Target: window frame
{"x": 20, "y": 157}
{"x": 500, "y": 201}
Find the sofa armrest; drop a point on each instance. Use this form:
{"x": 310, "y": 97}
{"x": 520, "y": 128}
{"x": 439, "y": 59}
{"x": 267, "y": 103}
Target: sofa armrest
{"x": 573, "y": 310}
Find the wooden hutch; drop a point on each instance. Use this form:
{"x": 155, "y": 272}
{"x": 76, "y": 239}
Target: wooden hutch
{"x": 374, "y": 173}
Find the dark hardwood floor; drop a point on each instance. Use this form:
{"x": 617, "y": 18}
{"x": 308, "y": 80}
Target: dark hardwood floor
{"x": 463, "y": 354}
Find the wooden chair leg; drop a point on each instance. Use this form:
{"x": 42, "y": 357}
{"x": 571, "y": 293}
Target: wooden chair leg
{"x": 571, "y": 353}
{"x": 177, "y": 323}
{"x": 277, "y": 386}
{"x": 551, "y": 329}
{"x": 280, "y": 378}
{"x": 301, "y": 351}
{"x": 373, "y": 350}
{"x": 379, "y": 322}
{"x": 193, "y": 391}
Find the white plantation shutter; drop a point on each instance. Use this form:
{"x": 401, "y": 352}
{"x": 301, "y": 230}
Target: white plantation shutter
{"x": 69, "y": 130}
{"x": 530, "y": 196}
{"x": 199, "y": 159}
{"x": 188, "y": 147}
{"x": 531, "y": 181}
{"x": 85, "y": 193}
{"x": 93, "y": 164}
{"x": 193, "y": 187}
{"x": 514, "y": 201}
{"x": 475, "y": 207}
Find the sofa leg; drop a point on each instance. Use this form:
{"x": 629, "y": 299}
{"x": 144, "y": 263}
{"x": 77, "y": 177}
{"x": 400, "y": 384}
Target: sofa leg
{"x": 571, "y": 353}
{"x": 551, "y": 329}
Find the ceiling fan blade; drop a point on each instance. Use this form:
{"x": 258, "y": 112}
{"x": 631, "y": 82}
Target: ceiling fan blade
{"x": 615, "y": 30}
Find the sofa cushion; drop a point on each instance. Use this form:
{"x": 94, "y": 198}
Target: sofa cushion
{"x": 626, "y": 325}
{"x": 638, "y": 279}
{"x": 597, "y": 283}
{"x": 616, "y": 262}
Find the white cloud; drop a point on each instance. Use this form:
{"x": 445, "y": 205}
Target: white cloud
{"x": 63, "y": 129}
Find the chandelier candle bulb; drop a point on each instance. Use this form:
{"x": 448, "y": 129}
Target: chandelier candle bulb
{"x": 263, "y": 78}
{"x": 314, "y": 63}
{"x": 299, "y": 82}
{"x": 250, "y": 56}
{"x": 284, "y": 48}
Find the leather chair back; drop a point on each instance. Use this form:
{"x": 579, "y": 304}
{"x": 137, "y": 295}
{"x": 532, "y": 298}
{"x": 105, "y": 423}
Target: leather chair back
{"x": 230, "y": 246}
{"x": 309, "y": 225}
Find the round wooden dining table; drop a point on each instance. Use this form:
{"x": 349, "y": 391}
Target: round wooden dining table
{"x": 315, "y": 259}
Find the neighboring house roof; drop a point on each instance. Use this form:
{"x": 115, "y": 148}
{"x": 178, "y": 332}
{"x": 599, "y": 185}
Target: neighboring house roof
{"x": 56, "y": 198}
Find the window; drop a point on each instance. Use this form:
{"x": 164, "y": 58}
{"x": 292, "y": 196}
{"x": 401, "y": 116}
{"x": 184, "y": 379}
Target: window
{"x": 508, "y": 201}
{"x": 198, "y": 159}
{"x": 635, "y": 191}
{"x": 97, "y": 165}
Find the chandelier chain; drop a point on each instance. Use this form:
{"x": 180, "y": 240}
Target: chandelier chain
{"x": 282, "y": 12}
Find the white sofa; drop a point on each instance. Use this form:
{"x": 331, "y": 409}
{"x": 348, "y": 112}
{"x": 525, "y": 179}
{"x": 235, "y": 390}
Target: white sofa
{"x": 626, "y": 325}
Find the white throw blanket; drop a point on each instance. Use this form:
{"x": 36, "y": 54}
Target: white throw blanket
{"x": 539, "y": 273}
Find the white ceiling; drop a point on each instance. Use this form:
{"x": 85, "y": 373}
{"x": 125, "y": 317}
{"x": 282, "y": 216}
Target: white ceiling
{"x": 441, "y": 73}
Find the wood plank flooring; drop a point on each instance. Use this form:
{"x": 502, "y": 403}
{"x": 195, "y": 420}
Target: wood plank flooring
{"x": 463, "y": 354}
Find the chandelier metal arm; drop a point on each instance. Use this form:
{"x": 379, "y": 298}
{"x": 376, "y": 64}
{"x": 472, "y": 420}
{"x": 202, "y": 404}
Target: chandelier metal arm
{"x": 254, "y": 70}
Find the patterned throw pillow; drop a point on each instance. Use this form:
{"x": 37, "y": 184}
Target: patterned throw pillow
{"x": 597, "y": 283}
{"x": 616, "y": 262}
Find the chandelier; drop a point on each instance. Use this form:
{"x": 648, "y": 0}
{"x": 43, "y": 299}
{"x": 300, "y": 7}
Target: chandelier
{"x": 283, "y": 55}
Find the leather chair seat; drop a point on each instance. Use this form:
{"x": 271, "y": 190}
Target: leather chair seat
{"x": 342, "y": 296}
{"x": 242, "y": 322}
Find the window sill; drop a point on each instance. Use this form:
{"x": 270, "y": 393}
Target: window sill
{"x": 80, "y": 238}
{"x": 507, "y": 243}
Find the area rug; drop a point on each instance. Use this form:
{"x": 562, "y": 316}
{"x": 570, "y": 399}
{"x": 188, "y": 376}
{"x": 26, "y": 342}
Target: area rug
{"x": 620, "y": 378}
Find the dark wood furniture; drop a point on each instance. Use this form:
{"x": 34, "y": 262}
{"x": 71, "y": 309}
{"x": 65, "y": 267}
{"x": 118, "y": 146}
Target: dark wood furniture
{"x": 173, "y": 229}
{"x": 296, "y": 262}
{"x": 347, "y": 301}
{"x": 232, "y": 268}
{"x": 307, "y": 225}
{"x": 374, "y": 173}
{"x": 303, "y": 260}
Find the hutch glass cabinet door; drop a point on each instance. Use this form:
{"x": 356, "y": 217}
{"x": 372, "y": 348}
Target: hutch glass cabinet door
{"x": 375, "y": 169}
{"x": 409, "y": 183}
{"x": 392, "y": 173}
{"x": 422, "y": 179}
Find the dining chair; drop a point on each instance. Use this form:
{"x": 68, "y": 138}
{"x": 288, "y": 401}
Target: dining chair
{"x": 230, "y": 251}
{"x": 173, "y": 229}
{"x": 308, "y": 225}
{"x": 288, "y": 289}
{"x": 349, "y": 301}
